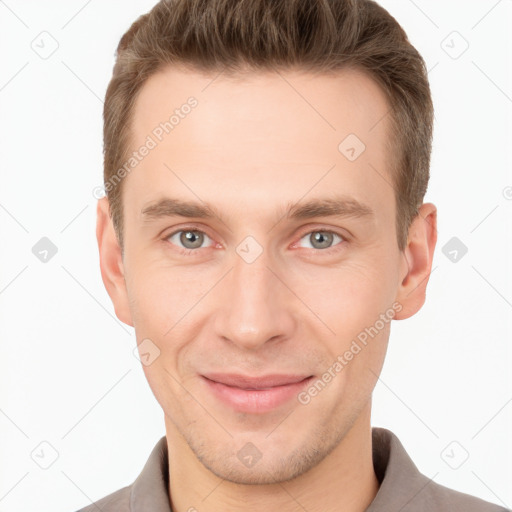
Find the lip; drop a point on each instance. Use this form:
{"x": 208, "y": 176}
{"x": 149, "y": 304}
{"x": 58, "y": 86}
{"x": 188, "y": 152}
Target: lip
{"x": 255, "y": 394}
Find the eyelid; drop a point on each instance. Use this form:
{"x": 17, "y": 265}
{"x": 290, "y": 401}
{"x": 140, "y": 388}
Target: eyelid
{"x": 343, "y": 233}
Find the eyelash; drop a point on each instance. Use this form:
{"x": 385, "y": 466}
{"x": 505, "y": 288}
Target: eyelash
{"x": 194, "y": 252}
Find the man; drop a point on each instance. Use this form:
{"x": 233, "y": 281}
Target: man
{"x": 265, "y": 168}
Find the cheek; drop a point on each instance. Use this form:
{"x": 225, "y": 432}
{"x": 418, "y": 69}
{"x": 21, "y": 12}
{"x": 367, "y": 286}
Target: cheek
{"x": 151, "y": 301}
{"x": 162, "y": 294}
{"x": 348, "y": 297}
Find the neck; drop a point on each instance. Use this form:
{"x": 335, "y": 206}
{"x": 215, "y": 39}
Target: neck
{"x": 343, "y": 480}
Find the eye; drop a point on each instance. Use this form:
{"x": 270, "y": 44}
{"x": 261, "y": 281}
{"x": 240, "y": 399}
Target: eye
{"x": 191, "y": 239}
{"x": 188, "y": 239}
{"x": 322, "y": 239}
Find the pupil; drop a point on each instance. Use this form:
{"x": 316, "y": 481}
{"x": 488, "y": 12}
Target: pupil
{"x": 323, "y": 238}
{"x": 191, "y": 237}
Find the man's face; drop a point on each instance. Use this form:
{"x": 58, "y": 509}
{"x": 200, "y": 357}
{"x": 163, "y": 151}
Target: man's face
{"x": 253, "y": 291}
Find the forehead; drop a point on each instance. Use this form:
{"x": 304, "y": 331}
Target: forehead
{"x": 272, "y": 136}
{"x": 331, "y": 104}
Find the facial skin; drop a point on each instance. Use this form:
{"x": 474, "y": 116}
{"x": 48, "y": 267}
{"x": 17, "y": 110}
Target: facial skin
{"x": 250, "y": 148}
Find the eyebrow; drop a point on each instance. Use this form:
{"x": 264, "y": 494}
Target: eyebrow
{"x": 327, "y": 207}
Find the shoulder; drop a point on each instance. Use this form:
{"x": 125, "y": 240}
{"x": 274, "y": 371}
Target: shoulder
{"x": 403, "y": 487}
{"x": 118, "y": 501}
{"x": 147, "y": 492}
{"x": 439, "y": 497}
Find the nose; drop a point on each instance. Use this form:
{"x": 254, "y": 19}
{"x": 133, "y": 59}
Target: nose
{"x": 255, "y": 304}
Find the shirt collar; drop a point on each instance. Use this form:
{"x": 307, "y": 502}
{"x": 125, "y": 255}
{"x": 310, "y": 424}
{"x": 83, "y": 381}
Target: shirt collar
{"x": 399, "y": 478}
{"x": 150, "y": 491}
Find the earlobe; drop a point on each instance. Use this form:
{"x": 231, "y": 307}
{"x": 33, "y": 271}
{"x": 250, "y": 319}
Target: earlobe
{"x": 418, "y": 256}
{"x": 111, "y": 262}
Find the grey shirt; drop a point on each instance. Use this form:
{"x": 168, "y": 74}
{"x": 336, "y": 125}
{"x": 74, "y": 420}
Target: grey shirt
{"x": 402, "y": 487}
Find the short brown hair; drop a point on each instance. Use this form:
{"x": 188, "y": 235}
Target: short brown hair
{"x": 317, "y": 35}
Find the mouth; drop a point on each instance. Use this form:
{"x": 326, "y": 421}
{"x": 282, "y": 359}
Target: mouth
{"x": 255, "y": 394}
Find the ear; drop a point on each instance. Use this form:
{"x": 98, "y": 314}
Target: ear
{"x": 111, "y": 262}
{"x": 417, "y": 262}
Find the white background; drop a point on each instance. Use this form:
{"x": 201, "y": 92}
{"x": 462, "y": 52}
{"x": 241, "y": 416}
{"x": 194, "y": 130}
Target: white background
{"x": 68, "y": 374}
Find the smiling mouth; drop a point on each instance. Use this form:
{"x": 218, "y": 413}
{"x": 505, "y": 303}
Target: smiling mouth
{"x": 255, "y": 395}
